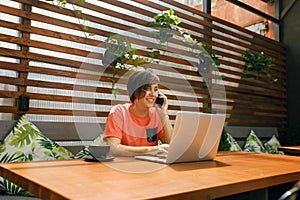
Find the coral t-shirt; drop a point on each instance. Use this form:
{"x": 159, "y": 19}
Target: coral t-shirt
{"x": 131, "y": 129}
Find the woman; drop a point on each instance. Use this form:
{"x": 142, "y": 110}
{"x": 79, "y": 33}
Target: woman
{"x": 136, "y": 127}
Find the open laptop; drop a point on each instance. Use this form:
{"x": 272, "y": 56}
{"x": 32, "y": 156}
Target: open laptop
{"x": 196, "y": 137}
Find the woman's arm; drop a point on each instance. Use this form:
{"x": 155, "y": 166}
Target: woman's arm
{"x": 117, "y": 149}
{"x": 168, "y": 129}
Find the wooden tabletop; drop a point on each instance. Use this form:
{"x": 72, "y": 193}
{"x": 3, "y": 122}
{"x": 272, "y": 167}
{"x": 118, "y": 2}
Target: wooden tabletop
{"x": 126, "y": 178}
{"x": 290, "y": 150}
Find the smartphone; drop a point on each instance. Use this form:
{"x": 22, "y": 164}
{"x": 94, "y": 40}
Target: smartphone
{"x": 159, "y": 101}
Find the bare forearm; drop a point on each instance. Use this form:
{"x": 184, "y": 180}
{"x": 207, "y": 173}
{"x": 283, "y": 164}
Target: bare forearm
{"x": 118, "y": 149}
{"x": 168, "y": 129}
{"x": 137, "y": 149}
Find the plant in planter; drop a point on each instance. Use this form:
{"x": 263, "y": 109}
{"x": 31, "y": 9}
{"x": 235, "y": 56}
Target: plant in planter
{"x": 203, "y": 51}
{"x": 168, "y": 23}
{"x": 258, "y": 63}
{"x": 206, "y": 58}
{"x": 120, "y": 56}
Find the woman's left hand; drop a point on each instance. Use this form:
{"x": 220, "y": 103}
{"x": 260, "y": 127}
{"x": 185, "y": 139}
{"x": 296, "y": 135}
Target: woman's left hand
{"x": 164, "y": 108}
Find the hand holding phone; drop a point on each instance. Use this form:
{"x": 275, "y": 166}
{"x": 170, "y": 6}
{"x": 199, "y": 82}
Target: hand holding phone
{"x": 159, "y": 101}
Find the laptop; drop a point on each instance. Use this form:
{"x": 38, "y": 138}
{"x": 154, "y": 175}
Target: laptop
{"x": 196, "y": 137}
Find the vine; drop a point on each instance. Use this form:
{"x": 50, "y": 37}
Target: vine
{"x": 120, "y": 56}
{"x": 78, "y": 14}
{"x": 168, "y": 23}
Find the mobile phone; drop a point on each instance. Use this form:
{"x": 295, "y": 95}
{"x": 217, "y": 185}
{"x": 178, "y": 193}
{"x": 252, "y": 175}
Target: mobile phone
{"x": 159, "y": 101}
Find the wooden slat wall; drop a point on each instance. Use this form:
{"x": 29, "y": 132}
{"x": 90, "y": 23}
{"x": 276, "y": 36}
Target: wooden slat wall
{"x": 51, "y": 60}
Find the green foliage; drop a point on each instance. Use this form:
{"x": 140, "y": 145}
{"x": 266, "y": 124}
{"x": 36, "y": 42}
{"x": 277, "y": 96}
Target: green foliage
{"x": 78, "y": 13}
{"x": 207, "y": 58}
{"x": 56, "y": 151}
{"x": 120, "y": 55}
{"x": 6, "y": 158}
{"x": 13, "y": 189}
{"x": 169, "y": 24}
{"x": 166, "y": 20}
{"x": 258, "y": 63}
{"x": 224, "y": 143}
{"x": 22, "y": 139}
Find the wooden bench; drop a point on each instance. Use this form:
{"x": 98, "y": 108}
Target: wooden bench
{"x": 72, "y": 136}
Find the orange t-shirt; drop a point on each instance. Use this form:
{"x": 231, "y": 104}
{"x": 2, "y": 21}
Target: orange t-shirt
{"x": 131, "y": 129}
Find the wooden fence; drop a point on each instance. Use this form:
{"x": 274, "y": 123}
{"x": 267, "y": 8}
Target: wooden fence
{"x": 45, "y": 55}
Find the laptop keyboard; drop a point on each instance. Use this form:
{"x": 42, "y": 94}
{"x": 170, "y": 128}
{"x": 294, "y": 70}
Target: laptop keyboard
{"x": 162, "y": 155}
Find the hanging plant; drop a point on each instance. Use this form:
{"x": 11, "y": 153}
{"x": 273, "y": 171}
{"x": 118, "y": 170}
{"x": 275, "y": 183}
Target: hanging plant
{"x": 120, "y": 56}
{"x": 168, "y": 23}
{"x": 207, "y": 58}
{"x": 258, "y": 63}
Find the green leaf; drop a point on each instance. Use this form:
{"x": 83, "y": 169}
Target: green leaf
{"x": 78, "y": 12}
{"x": 258, "y": 62}
{"x": 84, "y": 27}
{"x": 12, "y": 188}
{"x": 23, "y": 136}
{"x": 2, "y": 147}
{"x": 46, "y": 143}
{"x": 11, "y": 158}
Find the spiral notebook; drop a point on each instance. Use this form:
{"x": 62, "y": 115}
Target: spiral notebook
{"x": 196, "y": 137}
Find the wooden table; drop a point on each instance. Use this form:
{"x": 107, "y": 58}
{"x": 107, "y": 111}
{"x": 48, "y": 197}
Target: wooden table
{"x": 126, "y": 178}
{"x": 290, "y": 150}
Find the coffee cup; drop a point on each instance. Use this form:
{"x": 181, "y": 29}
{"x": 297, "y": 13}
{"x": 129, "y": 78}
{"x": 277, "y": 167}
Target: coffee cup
{"x": 98, "y": 151}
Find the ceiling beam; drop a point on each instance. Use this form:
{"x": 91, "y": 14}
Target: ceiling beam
{"x": 253, "y": 10}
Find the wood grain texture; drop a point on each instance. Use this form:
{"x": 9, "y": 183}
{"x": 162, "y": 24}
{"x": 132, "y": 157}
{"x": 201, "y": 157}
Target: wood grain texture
{"x": 250, "y": 101}
{"x": 126, "y": 178}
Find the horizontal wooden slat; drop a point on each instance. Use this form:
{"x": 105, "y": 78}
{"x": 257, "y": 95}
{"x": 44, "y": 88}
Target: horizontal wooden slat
{"x": 247, "y": 102}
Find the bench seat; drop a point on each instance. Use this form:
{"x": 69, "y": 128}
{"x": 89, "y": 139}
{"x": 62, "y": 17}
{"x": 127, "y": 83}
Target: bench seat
{"x": 240, "y": 133}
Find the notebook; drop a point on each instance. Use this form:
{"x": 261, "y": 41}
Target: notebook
{"x": 196, "y": 137}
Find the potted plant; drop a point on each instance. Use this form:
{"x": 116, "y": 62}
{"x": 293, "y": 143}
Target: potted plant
{"x": 168, "y": 23}
{"x": 257, "y": 64}
{"x": 118, "y": 52}
{"x": 206, "y": 58}
{"x": 120, "y": 56}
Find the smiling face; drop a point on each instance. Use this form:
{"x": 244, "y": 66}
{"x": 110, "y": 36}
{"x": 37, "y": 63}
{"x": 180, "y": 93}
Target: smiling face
{"x": 143, "y": 86}
{"x": 147, "y": 100}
